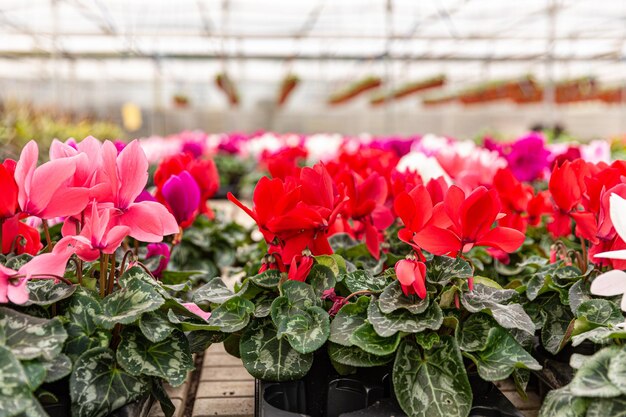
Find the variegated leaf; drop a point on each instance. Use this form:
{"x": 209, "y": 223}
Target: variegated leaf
{"x": 30, "y": 337}
{"x": 82, "y": 331}
{"x": 268, "y": 358}
{"x": 169, "y": 359}
{"x": 562, "y": 403}
{"x": 99, "y": 385}
{"x": 432, "y": 383}
{"x": 299, "y": 293}
{"x": 442, "y": 269}
{"x": 321, "y": 278}
{"x": 15, "y": 394}
{"x": 354, "y": 356}
{"x": 366, "y": 338}
{"x": 600, "y": 312}
{"x": 233, "y": 315}
{"x": 404, "y": 321}
{"x": 267, "y": 279}
{"x": 44, "y": 292}
{"x": 137, "y": 295}
{"x": 617, "y": 370}
{"x": 592, "y": 379}
{"x": 156, "y": 326}
{"x": 364, "y": 280}
{"x": 509, "y": 316}
{"x": 58, "y": 368}
{"x": 350, "y": 317}
{"x": 614, "y": 407}
{"x": 392, "y": 299}
{"x": 306, "y": 331}
{"x": 214, "y": 291}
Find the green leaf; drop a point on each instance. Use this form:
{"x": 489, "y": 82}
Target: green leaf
{"x": 599, "y": 335}
{"x": 442, "y": 269}
{"x": 617, "y": 370}
{"x": 614, "y": 407}
{"x": 233, "y": 315}
{"x": 162, "y": 396}
{"x": 366, "y": 338}
{"x": 82, "y": 331}
{"x": 44, "y": 292}
{"x": 214, "y": 291}
{"x": 350, "y": 317}
{"x": 562, "y": 403}
{"x": 30, "y": 337}
{"x": 354, "y": 356}
{"x": 364, "y": 280}
{"x": 432, "y": 383}
{"x": 299, "y": 293}
{"x": 137, "y": 295}
{"x": 495, "y": 352}
{"x": 578, "y": 293}
{"x": 592, "y": 378}
{"x": 35, "y": 373}
{"x": 155, "y": 326}
{"x": 427, "y": 339}
{"x": 404, "y": 321}
{"x": 268, "y": 279}
{"x": 58, "y": 368}
{"x": 557, "y": 319}
{"x": 321, "y": 278}
{"x": 306, "y": 331}
{"x": 200, "y": 340}
{"x": 263, "y": 308}
{"x": 600, "y": 312}
{"x": 15, "y": 395}
{"x": 335, "y": 262}
{"x": 392, "y": 299}
{"x": 99, "y": 386}
{"x": 169, "y": 359}
{"x": 18, "y": 261}
{"x": 509, "y": 316}
{"x": 271, "y": 359}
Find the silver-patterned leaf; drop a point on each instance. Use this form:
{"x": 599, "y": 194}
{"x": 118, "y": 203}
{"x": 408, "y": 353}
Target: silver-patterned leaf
{"x": 44, "y": 292}
{"x": 233, "y": 315}
{"x": 432, "y": 383}
{"x": 306, "y": 331}
{"x": 321, "y": 278}
{"x": 578, "y": 293}
{"x": 562, "y": 403}
{"x": 31, "y": 337}
{"x": 335, "y": 262}
{"x": 18, "y": 261}
{"x": 494, "y": 351}
{"x": 137, "y": 295}
{"x": 82, "y": 331}
{"x": 364, "y": 280}
{"x": 509, "y": 316}
{"x": 15, "y": 395}
{"x": 99, "y": 386}
{"x": 614, "y": 407}
{"x": 592, "y": 379}
{"x": 214, "y": 291}
{"x": 404, "y": 321}
{"x": 169, "y": 359}
{"x": 262, "y": 308}
{"x": 156, "y": 326}
{"x": 271, "y": 359}
{"x": 599, "y": 335}
{"x": 392, "y": 299}
{"x": 350, "y": 317}
{"x": 354, "y": 356}
{"x": 600, "y": 312}
{"x": 299, "y": 293}
{"x": 58, "y": 368}
{"x": 268, "y": 279}
{"x": 617, "y": 370}
{"x": 366, "y": 338}
{"x": 35, "y": 372}
{"x": 442, "y": 269}
{"x": 558, "y": 318}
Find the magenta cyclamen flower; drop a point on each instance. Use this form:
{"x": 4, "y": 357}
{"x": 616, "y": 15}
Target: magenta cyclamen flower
{"x": 162, "y": 250}
{"x": 528, "y": 157}
{"x": 182, "y": 194}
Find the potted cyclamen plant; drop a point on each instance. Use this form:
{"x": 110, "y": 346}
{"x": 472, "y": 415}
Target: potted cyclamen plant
{"x": 83, "y": 315}
{"x": 410, "y": 311}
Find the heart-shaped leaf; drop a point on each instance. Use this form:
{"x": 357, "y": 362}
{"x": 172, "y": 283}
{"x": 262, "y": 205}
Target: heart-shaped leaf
{"x": 99, "y": 385}
{"x": 442, "y": 269}
{"x": 600, "y": 312}
{"x": 349, "y": 318}
{"x": 156, "y": 326}
{"x": 432, "y": 383}
{"x": 82, "y": 331}
{"x": 360, "y": 280}
{"x": 592, "y": 379}
{"x": 355, "y": 356}
{"x": 233, "y": 315}
{"x": 392, "y": 299}
{"x": 44, "y": 292}
{"x": 267, "y": 279}
{"x": 404, "y": 321}
{"x": 269, "y": 358}
{"x": 15, "y": 395}
{"x": 169, "y": 359}
{"x": 562, "y": 403}
{"x": 366, "y": 338}
{"x": 321, "y": 278}
{"x": 306, "y": 331}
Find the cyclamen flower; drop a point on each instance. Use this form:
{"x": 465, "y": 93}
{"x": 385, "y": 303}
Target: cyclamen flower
{"x": 8, "y": 196}
{"x": 412, "y": 277}
{"x": 161, "y": 250}
{"x": 528, "y": 157}
{"x": 182, "y": 196}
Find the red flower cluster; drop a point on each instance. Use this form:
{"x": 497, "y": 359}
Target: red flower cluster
{"x": 580, "y": 193}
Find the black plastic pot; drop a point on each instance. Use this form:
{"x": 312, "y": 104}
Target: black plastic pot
{"x": 62, "y": 408}
{"x": 368, "y": 393}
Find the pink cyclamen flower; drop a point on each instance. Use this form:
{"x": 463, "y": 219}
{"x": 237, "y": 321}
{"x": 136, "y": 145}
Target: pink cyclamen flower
{"x": 161, "y": 250}
{"x": 46, "y": 191}
{"x": 13, "y": 283}
{"x": 182, "y": 195}
{"x": 126, "y": 175}
{"x": 197, "y": 311}
{"x": 412, "y": 277}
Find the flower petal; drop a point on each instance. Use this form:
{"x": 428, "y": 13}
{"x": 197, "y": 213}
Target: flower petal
{"x": 609, "y": 284}
{"x": 618, "y": 214}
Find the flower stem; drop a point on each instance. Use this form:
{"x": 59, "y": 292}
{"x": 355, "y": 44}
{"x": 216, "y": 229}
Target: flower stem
{"x": 583, "y": 267}
{"x": 46, "y": 231}
{"x": 104, "y": 263}
{"x": 111, "y": 279}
